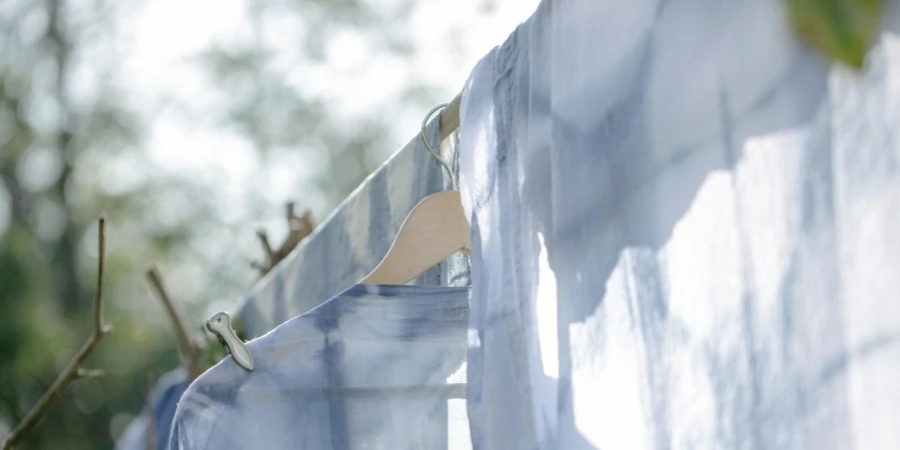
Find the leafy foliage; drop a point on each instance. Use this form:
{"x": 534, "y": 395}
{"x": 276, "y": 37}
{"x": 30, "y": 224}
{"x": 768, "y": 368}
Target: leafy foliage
{"x": 843, "y": 30}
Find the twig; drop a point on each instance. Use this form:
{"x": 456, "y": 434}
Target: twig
{"x": 289, "y": 209}
{"x": 73, "y": 370}
{"x": 188, "y": 350}
{"x": 299, "y": 227}
{"x": 261, "y": 268}
{"x": 264, "y": 240}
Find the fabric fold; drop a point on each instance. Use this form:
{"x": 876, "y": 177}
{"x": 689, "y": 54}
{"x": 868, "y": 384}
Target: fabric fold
{"x": 684, "y": 233}
{"x": 367, "y": 369}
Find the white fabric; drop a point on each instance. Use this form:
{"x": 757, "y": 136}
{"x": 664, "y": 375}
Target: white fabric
{"x": 374, "y": 368}
{"x": 686, "y": 233}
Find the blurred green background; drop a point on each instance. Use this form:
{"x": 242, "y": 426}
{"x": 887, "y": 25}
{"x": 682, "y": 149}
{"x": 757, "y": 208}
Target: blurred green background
{"x": 189, "y": 124}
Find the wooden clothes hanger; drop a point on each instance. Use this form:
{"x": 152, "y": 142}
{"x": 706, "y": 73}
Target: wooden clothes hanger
{"x": 434, "y": 230}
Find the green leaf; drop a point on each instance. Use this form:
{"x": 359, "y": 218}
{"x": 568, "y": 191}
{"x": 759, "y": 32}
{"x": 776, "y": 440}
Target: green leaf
{"x": 843, "y": 30}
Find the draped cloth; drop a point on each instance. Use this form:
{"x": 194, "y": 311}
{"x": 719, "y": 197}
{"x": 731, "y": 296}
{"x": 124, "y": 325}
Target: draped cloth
{"x": 157, "y": 415}
{"x": 685, "y": 233}
{"x": 354, "y": 238}
{"x": 375, "y": 367}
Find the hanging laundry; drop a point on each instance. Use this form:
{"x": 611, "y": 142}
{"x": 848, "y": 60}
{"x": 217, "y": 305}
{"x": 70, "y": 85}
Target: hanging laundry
{"x": 158, "y": 419}
{"x": 347, "y": 245}
{"x": 375, "y": 367}
{"x": 685, "y": 233}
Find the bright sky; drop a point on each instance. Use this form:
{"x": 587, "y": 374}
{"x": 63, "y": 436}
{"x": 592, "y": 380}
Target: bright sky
{"x": 163, "y": 34}
{"x": 160, "y": 37}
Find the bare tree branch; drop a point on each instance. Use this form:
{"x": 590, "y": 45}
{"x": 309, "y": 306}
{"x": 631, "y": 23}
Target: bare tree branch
{"x": 299, "y": 227}
{"x": 261, "y": 268}
{"x": 264, "y": 240}
{"x": 189, "y": 353}
{"x": 290, "y": 211}
{"x": 73, "y": 370}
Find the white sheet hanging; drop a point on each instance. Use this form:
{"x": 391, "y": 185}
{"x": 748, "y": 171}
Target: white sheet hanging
{"x": 686, "y": 233}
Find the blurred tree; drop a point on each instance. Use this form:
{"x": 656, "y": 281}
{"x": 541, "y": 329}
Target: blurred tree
{"x": 71, "y": 147}
{"x": 53, "y": 139}
{"x": 279, "y": 114}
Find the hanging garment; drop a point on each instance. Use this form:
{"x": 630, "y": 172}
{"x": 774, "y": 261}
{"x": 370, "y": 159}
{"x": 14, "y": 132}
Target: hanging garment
{"x": 685, "y": 233}
{"x": 157, "y": 418}
{"x": 372, "y": 368}
{"x": 347, "y": 245}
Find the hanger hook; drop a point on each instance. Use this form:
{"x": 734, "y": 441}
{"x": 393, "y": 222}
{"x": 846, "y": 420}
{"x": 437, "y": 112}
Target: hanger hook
{"x": 431, "y": 150}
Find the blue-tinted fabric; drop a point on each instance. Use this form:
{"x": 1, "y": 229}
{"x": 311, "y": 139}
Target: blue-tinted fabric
{"x": 164, "y": 400}
{"x": 367, "y": 369}
{"x": 685, "y": 233}
{"x": 347, "y": 245}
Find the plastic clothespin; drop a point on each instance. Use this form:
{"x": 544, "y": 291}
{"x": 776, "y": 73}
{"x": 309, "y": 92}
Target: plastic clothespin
{"x": 220, "y": 325}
